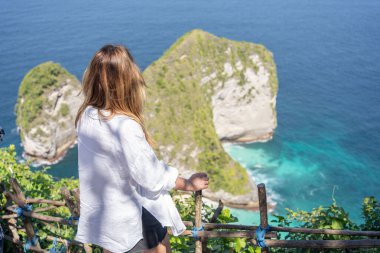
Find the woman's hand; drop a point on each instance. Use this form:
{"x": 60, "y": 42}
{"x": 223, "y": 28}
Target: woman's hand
{"x": 197, "y": 182}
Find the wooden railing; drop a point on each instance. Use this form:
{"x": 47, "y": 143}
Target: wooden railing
{"x": 16, "y": 198}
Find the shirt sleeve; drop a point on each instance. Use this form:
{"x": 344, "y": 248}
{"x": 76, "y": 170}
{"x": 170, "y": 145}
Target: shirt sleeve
{"x": 141, "y": 163}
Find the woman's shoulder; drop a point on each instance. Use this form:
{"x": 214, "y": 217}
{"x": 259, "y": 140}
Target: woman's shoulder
{"x": 119, "y": 121}
{"x": 102, "y": 114}
{"x": 126, "y": 125}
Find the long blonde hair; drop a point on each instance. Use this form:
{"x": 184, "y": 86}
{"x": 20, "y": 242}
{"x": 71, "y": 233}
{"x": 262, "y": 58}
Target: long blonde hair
{"x": 112, "y": 81}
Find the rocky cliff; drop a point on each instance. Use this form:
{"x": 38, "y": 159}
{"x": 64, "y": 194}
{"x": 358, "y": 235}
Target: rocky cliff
{"x": 205, "y": 90}
{"x": 46, "y": 108}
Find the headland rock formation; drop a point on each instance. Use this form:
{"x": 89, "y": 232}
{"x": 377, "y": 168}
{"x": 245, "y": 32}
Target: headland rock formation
{"x": 204, "y": 91}
{"x": 48, "y": 100}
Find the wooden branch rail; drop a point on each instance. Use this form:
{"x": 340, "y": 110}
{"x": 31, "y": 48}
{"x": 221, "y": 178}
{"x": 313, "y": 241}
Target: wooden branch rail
{"x": 324, "y": 244}
{"x": 227, "y": 234}
{"x": 71, "y": 201}
{"x": 210, "y": 226}
{"x": 49, "y": 238}
{"x": 45, "y": 201}
{"x": 47, "y": 218}
{"x": 20, "y": 244}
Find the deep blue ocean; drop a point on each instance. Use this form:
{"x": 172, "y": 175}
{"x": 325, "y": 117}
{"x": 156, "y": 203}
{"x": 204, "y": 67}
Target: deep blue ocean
{"x": 328, "y": 61}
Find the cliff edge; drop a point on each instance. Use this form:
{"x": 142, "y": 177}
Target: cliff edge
{"x": 206, "y": 90}
{"x": 46, "y": 108}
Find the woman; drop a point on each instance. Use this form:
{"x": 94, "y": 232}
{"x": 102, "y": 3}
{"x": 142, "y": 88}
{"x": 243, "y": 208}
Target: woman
{"x": 124, "y": 199}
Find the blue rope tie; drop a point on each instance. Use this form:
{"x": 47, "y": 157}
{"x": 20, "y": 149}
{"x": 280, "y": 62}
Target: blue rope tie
{"x": 71, "y": 219}
{"x": 20, "y": 209}
{"x": 260, "y": 236}
{"x": 55, "y": 249}
{"x": 32, "y": 242}
{"x": 195, "y": 230}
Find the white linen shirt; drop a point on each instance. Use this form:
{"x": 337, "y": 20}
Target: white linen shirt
{"x": 118, "y": 174}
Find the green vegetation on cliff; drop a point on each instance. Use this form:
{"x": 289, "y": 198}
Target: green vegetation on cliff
{"x": 179, "y": 109}
{"x": 32, "y": 97}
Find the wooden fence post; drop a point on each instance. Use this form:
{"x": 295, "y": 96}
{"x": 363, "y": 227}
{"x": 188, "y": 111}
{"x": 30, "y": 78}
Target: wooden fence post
{"x": 72, "y": 200}
{"x": 263, "y": 209}
{"x": 198, "y": 219}
{"x": 27, "y": 221}
{"x": 12, "y": 221}
{"x": 75, "y": 193}
{"x": 213, "y": 219}
{"x": 70, "y": 203}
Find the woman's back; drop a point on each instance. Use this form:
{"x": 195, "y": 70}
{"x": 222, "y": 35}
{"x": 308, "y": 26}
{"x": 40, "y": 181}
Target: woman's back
{"x": 118, "y": 174}
{"x": 108, "y": 204}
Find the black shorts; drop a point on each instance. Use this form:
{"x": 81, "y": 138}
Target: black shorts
{"x": 153, "y": 233}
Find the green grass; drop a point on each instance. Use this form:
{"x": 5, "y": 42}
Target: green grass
{"x": 64, "y": 110}
{"x": 182, "y": 117}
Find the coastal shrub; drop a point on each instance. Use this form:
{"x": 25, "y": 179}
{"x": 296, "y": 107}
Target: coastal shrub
{"x": 40, "y": 184}
{"x": 242, "y": 79}
{"x": 64, "y": 110}
{"x": 330, "y": 217}
{"x": 371, "y": 214}
{"x": 35, "y": 184}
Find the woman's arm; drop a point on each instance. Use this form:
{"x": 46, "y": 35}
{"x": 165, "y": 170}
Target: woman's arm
{"x": 139, "y": 161}
{"x": 142, "y": 165}
{"x": 198, "y": 181}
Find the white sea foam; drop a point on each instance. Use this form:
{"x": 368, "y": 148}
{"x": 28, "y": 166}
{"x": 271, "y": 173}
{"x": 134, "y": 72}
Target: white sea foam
{"x": 322, "y": 175}
{"x": 14, "y": 130}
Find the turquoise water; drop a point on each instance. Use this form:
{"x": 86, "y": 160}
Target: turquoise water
{"x": 328, "y": 60}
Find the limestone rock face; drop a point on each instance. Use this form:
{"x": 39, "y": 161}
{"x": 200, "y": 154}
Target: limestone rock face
{"x": 245, "y": 113}
{"x": 206, "y": 90}
{"x": 46, "y": 108}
